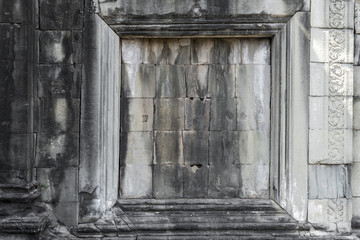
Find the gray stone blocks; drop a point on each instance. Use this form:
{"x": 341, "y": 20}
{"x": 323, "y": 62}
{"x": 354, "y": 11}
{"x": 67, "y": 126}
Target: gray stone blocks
{"x": 221, "y": 81}
{"x": 197, "y": 80}
{"x": 197, "y": 114}
{"x": 223, "y": 114}
{"x": 169, "y": 114}
{"x": 54, "y": 150}
{"x": 55, "y": 47}
{"x": 168, "y": 148}
{"x": 252, "y": 90}
{"x": 138, "y": 80}
{"x": 136, "y": 148}
{"x": 196, "y": 180}
{"x": 168, "y": 181}
{"x": 14, "y": 151}
{"x": 69, "y": 14}
{"x": 196, "y": 147}
{"x": 255, "y": 51}
{"x": 136, "y": 181}
{"x": 59, "y": 81}
{"x": 329, "y": 181}
{"x": 170, "y": 81}
{"x": 137, "y": 114}
{"x": 224, "y": 180}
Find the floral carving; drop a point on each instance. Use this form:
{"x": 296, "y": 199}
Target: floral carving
{"x": 337, "y": 13}
{"x": 335, "y": 210}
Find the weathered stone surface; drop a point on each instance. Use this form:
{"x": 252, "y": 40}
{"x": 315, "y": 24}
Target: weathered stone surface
{"x": 356, "y": 145}
{"x": 58, "y": 185}
{"x": 197, "y": 114}
{"x": 325, "y": 14}
{"x": 137, "y": 114}
{"x": 13, "y": 78}
{"x": 319, "y": 51}
{"x": 224, "y": 180}
{"x": 77, "y": 47}
{"x": 319, "y": 113}
{"x": 254, "y": 181}
{"x": 132, "y": 51}
{"x": 356, "y": 109}
{"x": 138, "y": 80}
{"x": 355, "y": 179}
{"x": 357, "y": 80}
{"x": 168, "y": 181}
{"x": 202, "y": 51}
{"x": 13, "y": 41}
{"x": 356, "y": 209}
{"x": 136, "y": 148}
{"x": 357, "y": 49}
{"x": 168, "y": 148}
{"x": 255, "y": 51}
{"x": 196, "y": 180}
{"x": 227, "y": 51}
{"x": 223, "y": 114}
{"x": 197, "y": 80}
{"x": 169, "y": 114}
{"x": 15, "y": 150}
{"x": 196, "y": 147}
{"x": 170, "y": 81}
{"x": 13, "y": 11}
{"x": 319, "y": 81}
{"x": 329, "y": 181}
{"x": 330, "y": 214}
{"x": 59, "y": 81}
{"x": 253, "y": 92}
{"x": 14, "y": 115}
{"x": 67, "y": 213}
{"x": 174, "y": 51}
{"x": 221, "y": 81}
{"x": 319, "y": 151}
{"x": 222, "y": 148}
{"x": 60, "y": 14}
{"x": 58, "y": 115}
{"x": 55, "y": 150}
{"x": 253, "y": 147}
{"x": 55, "y": 47}
{"x": 136, "y": 180}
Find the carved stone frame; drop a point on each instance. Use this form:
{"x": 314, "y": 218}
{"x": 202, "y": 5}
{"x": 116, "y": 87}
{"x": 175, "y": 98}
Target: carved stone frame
{"x": 289, "y": 103}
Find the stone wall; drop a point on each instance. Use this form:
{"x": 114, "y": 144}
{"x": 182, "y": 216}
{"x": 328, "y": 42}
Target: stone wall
{"x": 58, "y": 59}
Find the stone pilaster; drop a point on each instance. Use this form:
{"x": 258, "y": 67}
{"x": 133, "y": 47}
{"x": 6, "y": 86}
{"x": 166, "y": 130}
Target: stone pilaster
{"x": 331, "y": 117}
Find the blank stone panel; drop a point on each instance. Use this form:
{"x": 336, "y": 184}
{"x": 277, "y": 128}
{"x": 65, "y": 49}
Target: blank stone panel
{"x": 167, "y": 51}
{"x": 135, "y": 181}
{"x": 168, "y": 148}
{"x": 170, "y": 81}
{"x": 138, "y": 80}
{"x": 202, "y": 51}
{"x": 254, "y": 181}
{"x": 197, "y": 114}
{"x": 132, "y": 51}
{"x": 222, "y": 148}
{"x": 137, "y": 114}
{"x": 329, "y": 181}
{"x": 221, "y": 81}
{"x": 196, "y": 147}
{"x": 224, "y": 181}
{"x": 253, "y": 147}
{"x": 196, "y": 181}
{"x": 168, "y": 181}
{"x": 253, "y": 94}
{"x": 136, "y": 148}
{"x": 227, "y": 51}
{"x": 255, "y": 51}
{"x": 169, "y": 114}
{"x": 197, "y": 80}
{"x": 223, "y": 114}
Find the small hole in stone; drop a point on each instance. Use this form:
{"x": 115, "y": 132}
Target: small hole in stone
{"x": 191, "y": 98}
{"x": 202, "y": 99}
{"x": 196, "y": 165}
